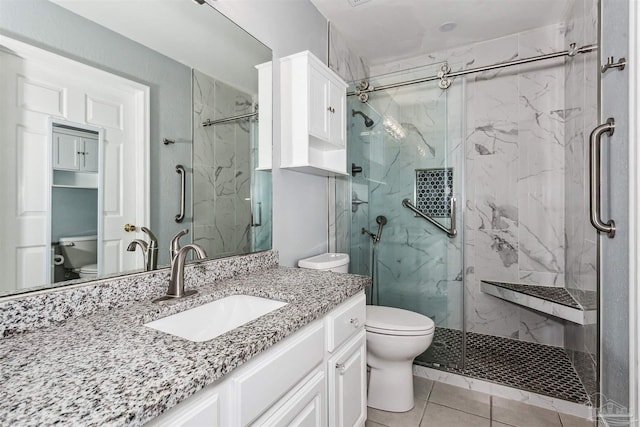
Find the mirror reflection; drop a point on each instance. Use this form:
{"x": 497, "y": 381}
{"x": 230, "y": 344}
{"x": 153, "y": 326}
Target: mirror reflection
{"x": 119, "y": 134}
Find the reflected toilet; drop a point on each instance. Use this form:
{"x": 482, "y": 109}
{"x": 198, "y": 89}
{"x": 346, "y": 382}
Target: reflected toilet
{"x": 80, "y": 254}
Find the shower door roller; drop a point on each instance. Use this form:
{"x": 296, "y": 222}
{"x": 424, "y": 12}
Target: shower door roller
{"x": 595, "y": 140}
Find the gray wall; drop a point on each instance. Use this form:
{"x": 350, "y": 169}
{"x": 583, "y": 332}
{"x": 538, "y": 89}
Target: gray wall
{"x": 39, "y": 23}
{"x": 300, "y": 201}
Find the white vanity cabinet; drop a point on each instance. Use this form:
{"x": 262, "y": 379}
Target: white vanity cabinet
{"x": 313, "y": 100}
{"x": 346, "y": 366}
{"x": 316, "y": 377}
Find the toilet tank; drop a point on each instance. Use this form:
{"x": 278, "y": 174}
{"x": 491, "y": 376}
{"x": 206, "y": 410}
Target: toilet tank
{"x": 327, "y": 262}
{"x": 79, "y": 250}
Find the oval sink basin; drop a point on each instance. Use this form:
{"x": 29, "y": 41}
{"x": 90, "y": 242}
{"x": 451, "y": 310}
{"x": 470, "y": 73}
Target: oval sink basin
{"x": 210, "y": 320}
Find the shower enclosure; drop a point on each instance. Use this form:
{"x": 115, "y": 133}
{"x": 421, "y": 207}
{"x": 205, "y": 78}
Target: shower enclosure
{"x": 405, "y": 146}
{"x": 479, "y": 167}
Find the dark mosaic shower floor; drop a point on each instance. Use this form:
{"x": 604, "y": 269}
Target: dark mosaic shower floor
{"x": 527, "y": 366}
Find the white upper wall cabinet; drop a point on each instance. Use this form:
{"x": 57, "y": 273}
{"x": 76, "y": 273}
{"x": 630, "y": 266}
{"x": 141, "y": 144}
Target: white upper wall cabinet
{"x": 313, "y": 100}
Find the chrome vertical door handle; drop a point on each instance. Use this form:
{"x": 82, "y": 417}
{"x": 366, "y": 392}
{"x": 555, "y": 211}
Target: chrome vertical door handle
{"x": 181, "y": 171}
{"x": 595, "y": 178}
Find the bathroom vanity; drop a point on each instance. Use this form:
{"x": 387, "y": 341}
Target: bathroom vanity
{"x": 100, "y": 365}
{"x": 315, "y": 377}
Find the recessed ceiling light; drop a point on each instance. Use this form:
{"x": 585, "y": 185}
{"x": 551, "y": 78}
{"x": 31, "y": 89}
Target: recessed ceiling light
{"x": 448, "y": 26}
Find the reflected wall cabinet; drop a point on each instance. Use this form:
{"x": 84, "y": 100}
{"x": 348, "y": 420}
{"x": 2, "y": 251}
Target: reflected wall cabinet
{"x": 313, "y": 100}
{"x": 75, "y": 150}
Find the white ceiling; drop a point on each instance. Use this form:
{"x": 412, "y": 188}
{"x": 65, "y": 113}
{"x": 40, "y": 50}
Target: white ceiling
{"x": 195, "y": 35}
{"x": 387, "y": 30}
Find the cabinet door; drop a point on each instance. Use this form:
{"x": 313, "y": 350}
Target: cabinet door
{"x": 318, "y": 104}
{"x": 337, "y": 116}
{"x": 200, "y": 410}
{"x": 305, "y": 408}
{"x": 65, "y": 151}
{"x": 347, "y": 372}
{"x": 89, "y": 159}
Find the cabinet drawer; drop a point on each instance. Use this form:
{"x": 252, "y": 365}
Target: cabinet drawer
{"x": 270, "y": 377}
{"x": 345, "y": 321}
{"x": 305, "y": 405}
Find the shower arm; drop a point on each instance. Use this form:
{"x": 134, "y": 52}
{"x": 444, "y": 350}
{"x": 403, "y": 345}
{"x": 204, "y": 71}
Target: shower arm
{"x": 451, "y": 232}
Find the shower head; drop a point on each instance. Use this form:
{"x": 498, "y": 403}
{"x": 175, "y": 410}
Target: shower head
{"x": 367, "y": 120}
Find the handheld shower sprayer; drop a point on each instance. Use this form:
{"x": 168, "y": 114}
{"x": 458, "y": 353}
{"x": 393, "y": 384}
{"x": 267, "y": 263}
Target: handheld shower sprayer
{"x": 381, "y": 220}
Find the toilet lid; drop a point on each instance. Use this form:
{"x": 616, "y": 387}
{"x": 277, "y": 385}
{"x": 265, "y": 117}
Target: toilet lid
{"x": 395, "y": 321}
{"x": 89, "y": 269}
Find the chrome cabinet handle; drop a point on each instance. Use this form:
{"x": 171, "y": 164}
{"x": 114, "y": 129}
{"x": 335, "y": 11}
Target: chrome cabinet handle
{"x": 595, "y": 178}
{"x": 253, "y": 218}
{"x": 182, "y": 173}
{"x": 341, "y": 368}
{"x": 355, "y": 322}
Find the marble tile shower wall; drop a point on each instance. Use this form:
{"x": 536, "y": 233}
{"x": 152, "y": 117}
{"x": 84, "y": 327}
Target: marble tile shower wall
{"x": 514, "y": 183}
{"x": 581, "y": 116}
{"x": 418, "y": 267}
{"x": 221, "y": 168}
{"x": 351, "y": 67}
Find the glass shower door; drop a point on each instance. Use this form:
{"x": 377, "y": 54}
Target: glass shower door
{"x": 409, "y": 147}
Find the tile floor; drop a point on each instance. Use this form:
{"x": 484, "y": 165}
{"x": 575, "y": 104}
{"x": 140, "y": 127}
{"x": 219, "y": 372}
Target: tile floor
{"x": 443, "y": 405}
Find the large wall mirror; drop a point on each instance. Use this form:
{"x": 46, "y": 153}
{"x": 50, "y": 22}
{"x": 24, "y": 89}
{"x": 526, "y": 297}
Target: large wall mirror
{"x": 123, "y": 123}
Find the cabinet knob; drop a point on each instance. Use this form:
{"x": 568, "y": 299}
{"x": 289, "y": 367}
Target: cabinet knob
{"x": 129, "y": 228}
{"x": 331, "y": 109}
{"x": 355, "y": 322}
{"x": 341, "y": 368}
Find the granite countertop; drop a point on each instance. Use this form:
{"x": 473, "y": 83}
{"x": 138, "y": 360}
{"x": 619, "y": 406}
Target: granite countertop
{"x": 109, "y": 369}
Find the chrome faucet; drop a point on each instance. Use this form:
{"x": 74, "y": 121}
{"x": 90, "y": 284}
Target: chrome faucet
{"x": 176, "y": 281}
{"x": 175, "y": 242}
{"x": 149, "y": 250}
{"x": 152, "y": 250}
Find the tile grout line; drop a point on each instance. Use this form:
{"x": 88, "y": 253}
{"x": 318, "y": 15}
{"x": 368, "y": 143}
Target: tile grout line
{"x": 490, "y": 410}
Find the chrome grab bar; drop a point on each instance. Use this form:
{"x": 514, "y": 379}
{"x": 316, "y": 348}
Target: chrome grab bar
{"x": 451, "y": 232}
{"x": 253, "y": 222}
{"x": 182, "y": 173}
{"x": 595, "y": 166}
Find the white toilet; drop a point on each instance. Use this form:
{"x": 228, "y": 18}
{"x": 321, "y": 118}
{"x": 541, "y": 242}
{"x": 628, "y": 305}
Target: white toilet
{"x": 80, "y": 255}
{"x": 394, "y": 338}
{"x": 327, "y": 262}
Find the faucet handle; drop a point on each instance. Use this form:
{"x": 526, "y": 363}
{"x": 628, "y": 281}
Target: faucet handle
{"x": 149, "y": 233}
{"x": 175, "y": 242}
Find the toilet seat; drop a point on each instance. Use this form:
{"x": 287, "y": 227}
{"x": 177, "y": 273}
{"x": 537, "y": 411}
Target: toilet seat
{"x": 395, "y": 321}
{"x": 88, "y": 269}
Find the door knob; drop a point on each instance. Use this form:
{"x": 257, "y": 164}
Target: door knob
{"x": 129, "y": 228}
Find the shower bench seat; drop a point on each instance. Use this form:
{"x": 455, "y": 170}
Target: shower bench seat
{"x": 552, "y": 300}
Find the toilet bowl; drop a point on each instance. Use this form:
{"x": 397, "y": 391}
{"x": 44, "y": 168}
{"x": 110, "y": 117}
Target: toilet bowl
{"x": 88, "y": 271}
{"x": 394, "y": 338}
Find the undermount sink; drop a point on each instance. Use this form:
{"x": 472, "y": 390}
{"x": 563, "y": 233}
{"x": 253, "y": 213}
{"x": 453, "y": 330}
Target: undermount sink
{"x": 210, "y": 320}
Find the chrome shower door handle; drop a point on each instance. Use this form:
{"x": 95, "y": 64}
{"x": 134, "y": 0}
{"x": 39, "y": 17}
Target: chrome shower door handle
{"x": 595, "y": 178}
{"x": 182, "y": 173}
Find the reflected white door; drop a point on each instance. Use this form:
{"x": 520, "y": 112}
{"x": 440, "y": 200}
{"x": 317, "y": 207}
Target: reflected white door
{"x": 37, "y": 86}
